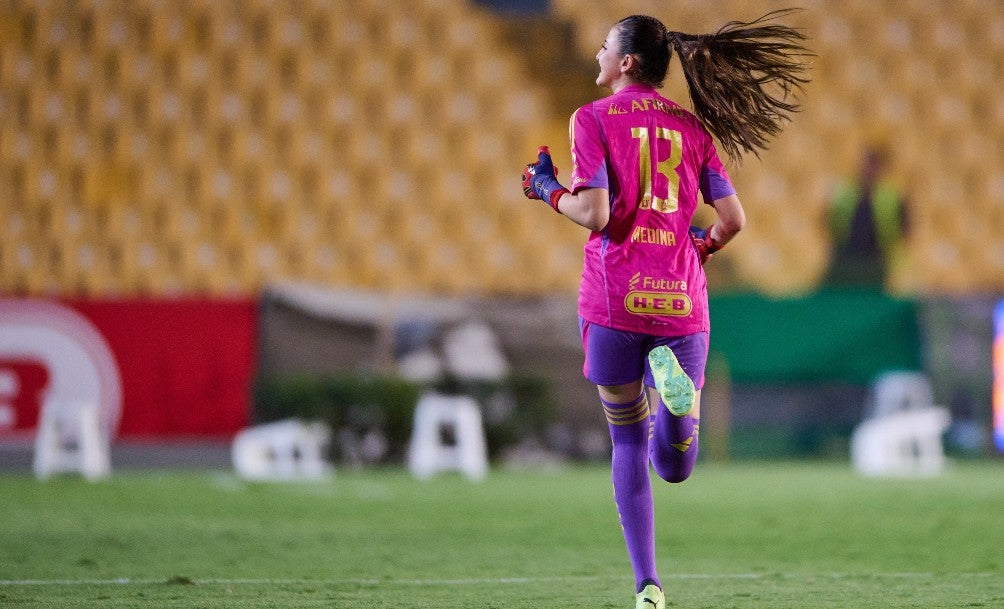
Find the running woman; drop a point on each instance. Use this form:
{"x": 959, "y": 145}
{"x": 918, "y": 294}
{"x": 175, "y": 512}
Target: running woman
{"x": 639, "y": 162}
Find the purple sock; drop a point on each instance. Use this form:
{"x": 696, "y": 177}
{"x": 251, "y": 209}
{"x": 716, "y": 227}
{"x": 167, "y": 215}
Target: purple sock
{"x": 629, "y": 432}
{"x": 673, "y": 450}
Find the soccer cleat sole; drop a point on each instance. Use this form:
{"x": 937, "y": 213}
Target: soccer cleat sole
{"x": 674, "y": 386}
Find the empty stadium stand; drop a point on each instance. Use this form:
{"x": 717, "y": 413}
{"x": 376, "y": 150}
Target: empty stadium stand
{"x": 209, "y": 148}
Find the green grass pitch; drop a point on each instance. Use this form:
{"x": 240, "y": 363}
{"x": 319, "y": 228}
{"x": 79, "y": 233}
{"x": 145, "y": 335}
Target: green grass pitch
{"x": 799, "y": 535}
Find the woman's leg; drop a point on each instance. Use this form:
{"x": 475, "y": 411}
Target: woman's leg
{"x": 628, "y": 417}
{"x": 674, "y": 445}
{"x": 676, "y": 370}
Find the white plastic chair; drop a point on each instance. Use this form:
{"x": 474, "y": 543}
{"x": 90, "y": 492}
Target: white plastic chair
{"x": 430, "y": 453}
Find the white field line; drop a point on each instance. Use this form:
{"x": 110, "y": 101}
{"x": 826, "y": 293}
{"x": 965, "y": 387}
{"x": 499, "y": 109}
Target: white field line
{"x": 128, "y": 581}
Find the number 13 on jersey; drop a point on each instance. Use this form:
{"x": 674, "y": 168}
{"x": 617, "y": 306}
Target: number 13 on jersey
{"x": 666, "y": 168}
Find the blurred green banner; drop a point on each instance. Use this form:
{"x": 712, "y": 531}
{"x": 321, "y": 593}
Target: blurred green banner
{"x": 831, "y": 336}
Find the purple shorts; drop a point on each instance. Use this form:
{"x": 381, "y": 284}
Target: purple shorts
{"x": 616, "y": 357}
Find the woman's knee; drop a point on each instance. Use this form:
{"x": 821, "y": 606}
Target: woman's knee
{"x": 674, "y": 473}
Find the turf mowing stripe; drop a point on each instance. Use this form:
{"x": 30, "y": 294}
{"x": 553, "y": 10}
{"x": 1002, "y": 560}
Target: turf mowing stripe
{"x": 126, "y": 581}
{"x": 123, "y": 581}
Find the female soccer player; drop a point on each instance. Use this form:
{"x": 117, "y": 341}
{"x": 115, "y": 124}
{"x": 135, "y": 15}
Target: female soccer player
{"x": 639, "y": 161}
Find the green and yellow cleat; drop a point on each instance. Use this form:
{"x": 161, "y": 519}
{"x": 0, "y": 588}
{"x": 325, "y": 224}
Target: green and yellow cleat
{"x": 650, "y": 597}
{"x": 672, "y": 383}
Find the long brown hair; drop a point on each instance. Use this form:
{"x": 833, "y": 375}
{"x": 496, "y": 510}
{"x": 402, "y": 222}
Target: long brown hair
{"x": 741, "y": 78}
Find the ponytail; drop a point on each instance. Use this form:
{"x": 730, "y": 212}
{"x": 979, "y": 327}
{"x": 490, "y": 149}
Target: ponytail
{"x": 741, "y": 79}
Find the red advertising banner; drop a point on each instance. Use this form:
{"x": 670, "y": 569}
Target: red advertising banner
{"x": 157, "y": 369}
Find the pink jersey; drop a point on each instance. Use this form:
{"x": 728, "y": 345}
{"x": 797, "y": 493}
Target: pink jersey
{"x": 641, "y": 273}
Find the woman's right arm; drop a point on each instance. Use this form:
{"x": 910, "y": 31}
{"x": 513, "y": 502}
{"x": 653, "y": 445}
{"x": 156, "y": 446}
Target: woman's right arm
{"x": 590, "y": 207}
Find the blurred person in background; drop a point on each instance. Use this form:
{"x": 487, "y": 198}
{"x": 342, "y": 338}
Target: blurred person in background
{"x": 868, "y": 223}
{"x": 639, "y": 162}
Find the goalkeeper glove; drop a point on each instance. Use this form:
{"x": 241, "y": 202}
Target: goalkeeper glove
{"x": 540, "y": 181}
{"x": 703, "y": 243}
